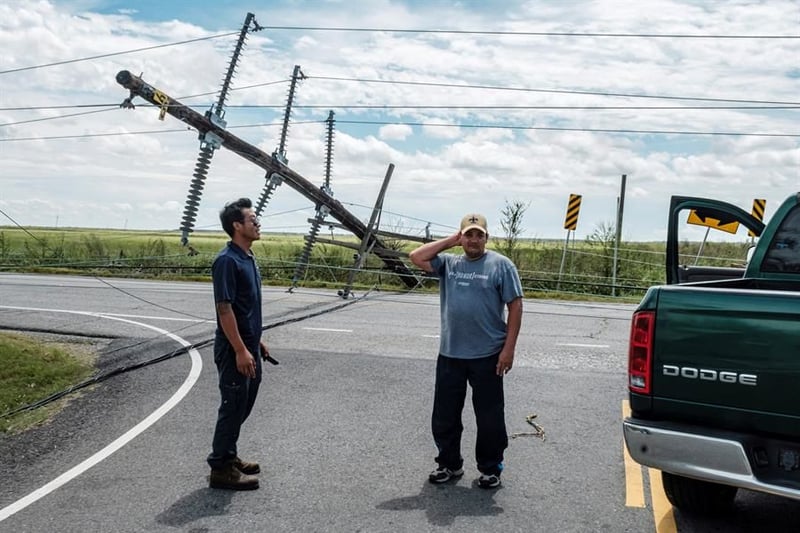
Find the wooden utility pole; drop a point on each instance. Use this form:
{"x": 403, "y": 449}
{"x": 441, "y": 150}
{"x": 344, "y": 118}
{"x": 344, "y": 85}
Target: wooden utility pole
{"x": 209, "y": 130}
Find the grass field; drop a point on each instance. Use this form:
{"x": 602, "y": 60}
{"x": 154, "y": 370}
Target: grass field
{"x": 585, "y": 268}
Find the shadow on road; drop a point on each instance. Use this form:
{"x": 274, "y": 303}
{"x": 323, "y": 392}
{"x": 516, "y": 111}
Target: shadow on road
{"x": 196, "y": 505}
{"x": 444, "y": 503}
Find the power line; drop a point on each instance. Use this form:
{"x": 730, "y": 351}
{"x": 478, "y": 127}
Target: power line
{"x": 556, "y": 91}
{"x": 534, "y": 33}
{"x": 750, "y": 104}
{"x": 17, "y": 224}
{"x": 42, "y": 119}
{"x": 145, "y": 132}
{"x": 59, "y": 106}
{"x": 68, "y": 61}
{"x": 108, "y": 106}
{"x": 427, "y": 221}
{"x": 763, "y": 104}
{"x": 379, "y": 107}
{"x": 507, "y": 107}
{"x": 91, "y": 135}
{"x": 426, "y": 124}
{"x": 552, "y": 128}
{"x": 422, "y": 31}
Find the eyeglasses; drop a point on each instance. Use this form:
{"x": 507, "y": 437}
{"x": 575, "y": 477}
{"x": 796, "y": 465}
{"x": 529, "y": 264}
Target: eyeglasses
{"x": 256, "y": 220}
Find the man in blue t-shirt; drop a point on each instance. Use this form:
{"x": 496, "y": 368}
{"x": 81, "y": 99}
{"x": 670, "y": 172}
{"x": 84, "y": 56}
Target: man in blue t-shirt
{"x": 238, "y": 347}
{"x": 476, "y": 347}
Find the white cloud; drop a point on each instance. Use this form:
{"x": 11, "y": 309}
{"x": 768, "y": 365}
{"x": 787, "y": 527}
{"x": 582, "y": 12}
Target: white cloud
{"x": 439, "y": 171}
{"x": 394, "y": 132}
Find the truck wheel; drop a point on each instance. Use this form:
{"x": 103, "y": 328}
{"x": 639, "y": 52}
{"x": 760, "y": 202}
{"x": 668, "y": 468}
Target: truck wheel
{"x": 695, "y": 496}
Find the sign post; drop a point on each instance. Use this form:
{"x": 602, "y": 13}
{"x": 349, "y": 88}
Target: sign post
{"x": 618, "y": 233}
{"x": 570, "y": 224}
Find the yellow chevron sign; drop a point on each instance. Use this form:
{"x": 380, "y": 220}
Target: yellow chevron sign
{"x": 713, "y": 219}
{"x": 573, "y": 210}
{"x": 758, "y": 211}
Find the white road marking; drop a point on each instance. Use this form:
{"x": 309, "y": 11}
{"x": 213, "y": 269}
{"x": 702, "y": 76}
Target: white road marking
{"x": 431, "y": 336}
{"x": 582, "y": 345}
{"x": 72, "y": 473}
{"x": 112, "y": 315}
{"x": 330, "y": 329}
{"x": 147, "y": 317}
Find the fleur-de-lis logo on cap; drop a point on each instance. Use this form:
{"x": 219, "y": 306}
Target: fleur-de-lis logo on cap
{"x": 474, "y": 219}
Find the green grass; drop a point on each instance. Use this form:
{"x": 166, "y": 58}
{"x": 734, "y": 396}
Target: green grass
{"x": 31, "y": 370}
{"x": 585, "y": 269}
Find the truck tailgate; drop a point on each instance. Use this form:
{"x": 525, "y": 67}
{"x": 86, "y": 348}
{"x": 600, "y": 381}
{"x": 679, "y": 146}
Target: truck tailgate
{"x": 733, "y": 354}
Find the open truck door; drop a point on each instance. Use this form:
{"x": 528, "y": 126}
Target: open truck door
{"x": 711, "y": 213}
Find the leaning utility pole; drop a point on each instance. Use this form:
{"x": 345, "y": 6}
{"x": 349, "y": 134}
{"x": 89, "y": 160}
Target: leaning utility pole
{"x": 271, "y": 164}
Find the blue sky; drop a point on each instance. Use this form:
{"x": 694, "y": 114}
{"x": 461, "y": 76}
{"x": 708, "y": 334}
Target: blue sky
{"x": 100, "y": 170}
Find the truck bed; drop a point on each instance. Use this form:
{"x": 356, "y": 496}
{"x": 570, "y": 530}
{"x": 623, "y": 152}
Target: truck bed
{"x": 727, "y": 356}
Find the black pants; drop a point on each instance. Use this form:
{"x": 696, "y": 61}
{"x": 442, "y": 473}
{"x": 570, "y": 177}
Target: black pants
{"x": 452, "y": 376}
{"x": 238, "y": 394}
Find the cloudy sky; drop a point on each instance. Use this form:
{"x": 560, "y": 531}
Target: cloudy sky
{"x": 476, "y": 103}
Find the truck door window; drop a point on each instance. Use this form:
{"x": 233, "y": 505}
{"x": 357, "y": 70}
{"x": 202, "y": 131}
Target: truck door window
{"x": 783, "y": 254}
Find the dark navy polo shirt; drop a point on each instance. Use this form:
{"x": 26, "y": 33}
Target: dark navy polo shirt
{"x": 237, "y": 281}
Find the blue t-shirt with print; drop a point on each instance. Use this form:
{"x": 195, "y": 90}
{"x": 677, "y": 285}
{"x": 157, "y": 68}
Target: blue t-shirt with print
{"x": 473, "y": 296}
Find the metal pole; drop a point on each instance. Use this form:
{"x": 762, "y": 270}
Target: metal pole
{"x": 368, "y": 234}
{"x": 563, "y": 258}
{"x": 702, "y": 245}
{"x": 620, "y": 210}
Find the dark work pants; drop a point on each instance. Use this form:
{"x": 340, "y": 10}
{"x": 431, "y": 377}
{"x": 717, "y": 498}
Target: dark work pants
{"x": 238, "y": 394}
{"x": 452, "y": 376}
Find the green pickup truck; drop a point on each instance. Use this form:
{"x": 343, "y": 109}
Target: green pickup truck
{"x": 714, "y": 367}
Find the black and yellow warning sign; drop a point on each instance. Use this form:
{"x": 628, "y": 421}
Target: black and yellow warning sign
{"x": 758, "y": 212}
{"x": 162, "y": 99}
{"x": 573, "y": 210}
{"x": 713, "y": 219}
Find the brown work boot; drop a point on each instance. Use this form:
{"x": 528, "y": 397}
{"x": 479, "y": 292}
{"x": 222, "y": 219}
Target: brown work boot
{"x": 246, "y": 467}
{"x": 229, "y": 477}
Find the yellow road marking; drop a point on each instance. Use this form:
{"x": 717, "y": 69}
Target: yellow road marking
{"x": 662, "y": 510}
{"x": 634, "y": 482}
{"x": 663, "y": 516}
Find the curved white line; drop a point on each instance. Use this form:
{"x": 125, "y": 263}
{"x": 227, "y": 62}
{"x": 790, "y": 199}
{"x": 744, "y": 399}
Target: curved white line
{"x": 183, "y": 390}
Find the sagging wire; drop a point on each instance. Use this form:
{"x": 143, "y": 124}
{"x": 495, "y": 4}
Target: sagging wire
{"x": 44, "y": 244}
{"x": 164, "y": 357}
{"x": 68, "y": 61}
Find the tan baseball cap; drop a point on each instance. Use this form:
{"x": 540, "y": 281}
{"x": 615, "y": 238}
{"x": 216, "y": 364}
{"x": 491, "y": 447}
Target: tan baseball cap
{"x": 474, "y": 221}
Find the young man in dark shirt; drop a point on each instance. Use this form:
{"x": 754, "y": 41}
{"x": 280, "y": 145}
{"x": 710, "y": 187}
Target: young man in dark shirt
{"x": 238, "y": 347}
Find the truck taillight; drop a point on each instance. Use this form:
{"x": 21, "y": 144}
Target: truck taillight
{"x": 640, "y": 352}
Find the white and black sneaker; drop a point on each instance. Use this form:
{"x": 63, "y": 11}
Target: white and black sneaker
{"x": 489, "y": 481}
{"x": 443, "y": 474}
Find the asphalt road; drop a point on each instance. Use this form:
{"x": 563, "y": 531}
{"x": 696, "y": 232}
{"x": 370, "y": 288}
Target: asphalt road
{"x": 341, "y": 426}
